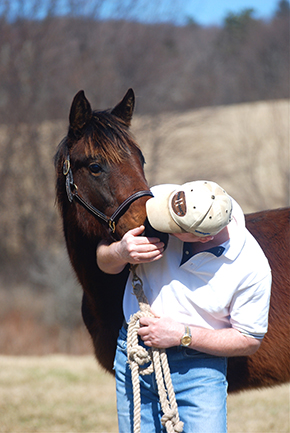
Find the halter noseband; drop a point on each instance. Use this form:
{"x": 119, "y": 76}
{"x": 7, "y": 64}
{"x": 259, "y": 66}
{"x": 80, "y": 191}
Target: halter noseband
{"x": 72, "y": 193}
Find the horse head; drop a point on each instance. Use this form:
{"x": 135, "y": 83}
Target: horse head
{"x": 100, "y": 170}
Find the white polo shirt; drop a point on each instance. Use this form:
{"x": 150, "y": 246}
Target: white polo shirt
{"x": 228, "y": 286}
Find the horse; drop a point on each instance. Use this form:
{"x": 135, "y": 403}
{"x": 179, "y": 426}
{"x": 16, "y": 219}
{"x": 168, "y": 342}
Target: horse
{"x": 270, "y": 365}
{"x": 101, "y": 191}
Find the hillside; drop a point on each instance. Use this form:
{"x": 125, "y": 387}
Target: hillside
{"x": 243, "y": 147}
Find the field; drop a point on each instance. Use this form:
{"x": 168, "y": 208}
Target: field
{"x": 67, "y": 394}
{"x": 243, "y": 147}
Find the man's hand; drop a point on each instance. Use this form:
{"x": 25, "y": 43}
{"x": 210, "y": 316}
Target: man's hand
{"x": 160, "y": 332}
{"x": 136, "y": 249}
{"x": 132, "y": 248}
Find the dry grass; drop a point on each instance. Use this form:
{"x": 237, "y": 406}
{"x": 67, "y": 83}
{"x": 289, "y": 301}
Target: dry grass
{"x": 260, "y": 411}
{"x": 55, "y": 394}
{"x": 29, "y": 324}
{"x": 72, "y": 394}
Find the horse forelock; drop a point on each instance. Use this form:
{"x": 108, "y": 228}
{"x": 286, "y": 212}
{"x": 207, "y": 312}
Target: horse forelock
{"x": 105, "y": 138}
{"x": 109, "y": 139}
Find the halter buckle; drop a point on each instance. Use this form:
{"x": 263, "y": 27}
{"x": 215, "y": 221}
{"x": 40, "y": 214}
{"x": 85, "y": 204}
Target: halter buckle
{"x": 112, "y": 225}
{"x": 66, "y": 167}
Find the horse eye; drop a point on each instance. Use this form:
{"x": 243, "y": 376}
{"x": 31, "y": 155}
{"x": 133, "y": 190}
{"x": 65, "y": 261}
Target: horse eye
{"x": 95, "y": 168}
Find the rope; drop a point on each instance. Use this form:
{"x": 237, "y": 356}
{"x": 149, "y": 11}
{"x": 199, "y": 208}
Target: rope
{"x": 156, "y": 360}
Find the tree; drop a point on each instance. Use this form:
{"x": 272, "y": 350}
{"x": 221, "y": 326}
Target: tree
{"x": 236, "y": 25}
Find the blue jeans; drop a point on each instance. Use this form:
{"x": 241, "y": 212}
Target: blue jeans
{"x": 200, "y": 386}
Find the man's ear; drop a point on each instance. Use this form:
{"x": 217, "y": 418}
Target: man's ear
{"x": 205, "y": 239}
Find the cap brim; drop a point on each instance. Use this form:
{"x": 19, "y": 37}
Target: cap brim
{"x": 158, "y": 213}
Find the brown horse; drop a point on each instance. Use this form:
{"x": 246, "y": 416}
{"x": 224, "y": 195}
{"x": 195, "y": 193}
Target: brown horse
{"x": 101, "y": 191}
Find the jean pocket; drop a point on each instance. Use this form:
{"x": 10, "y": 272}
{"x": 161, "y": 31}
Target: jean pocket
{"x": 191, "y": 353}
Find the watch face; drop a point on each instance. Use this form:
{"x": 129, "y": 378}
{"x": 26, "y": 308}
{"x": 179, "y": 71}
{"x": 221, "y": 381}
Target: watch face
{"x": 186, "y": 339}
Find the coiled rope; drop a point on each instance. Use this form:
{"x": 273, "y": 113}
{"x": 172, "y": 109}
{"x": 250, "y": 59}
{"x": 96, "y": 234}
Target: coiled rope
{"x": 158, "y": 362}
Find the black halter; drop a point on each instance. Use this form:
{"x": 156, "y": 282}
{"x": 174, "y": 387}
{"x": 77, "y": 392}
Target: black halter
{"x": 72, "y": 193}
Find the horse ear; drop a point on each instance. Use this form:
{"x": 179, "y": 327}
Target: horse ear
{"x": 80, "y": 112}
{"x": 124, "y": 110}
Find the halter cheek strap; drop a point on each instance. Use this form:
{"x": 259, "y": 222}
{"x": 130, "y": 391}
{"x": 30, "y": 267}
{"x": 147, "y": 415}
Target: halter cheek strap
{"x": 72, "y": 193}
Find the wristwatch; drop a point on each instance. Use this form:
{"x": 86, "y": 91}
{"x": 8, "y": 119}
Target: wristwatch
{"x": 186, "y": 338}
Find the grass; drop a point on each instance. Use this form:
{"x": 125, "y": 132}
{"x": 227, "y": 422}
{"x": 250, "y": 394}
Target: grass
{"x": 67, "y": 394}
{"x": 55, "y": 394}
{"x": 260, "y": 411}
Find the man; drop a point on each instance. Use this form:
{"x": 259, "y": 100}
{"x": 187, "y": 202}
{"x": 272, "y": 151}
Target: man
{"x": 209, "y": 291}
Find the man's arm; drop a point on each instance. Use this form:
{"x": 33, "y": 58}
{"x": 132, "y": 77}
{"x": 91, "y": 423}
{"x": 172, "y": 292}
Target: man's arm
{"x": 166, "y": 332}
{"x": 132, "y": 248}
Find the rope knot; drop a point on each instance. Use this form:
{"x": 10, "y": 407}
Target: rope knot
{"x": 171, "y": 421}
{"x": 139, "y": 355}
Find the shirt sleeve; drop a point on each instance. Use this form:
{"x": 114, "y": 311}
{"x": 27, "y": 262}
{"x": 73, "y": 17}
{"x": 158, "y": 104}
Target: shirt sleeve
{"x": 249, "y": 308}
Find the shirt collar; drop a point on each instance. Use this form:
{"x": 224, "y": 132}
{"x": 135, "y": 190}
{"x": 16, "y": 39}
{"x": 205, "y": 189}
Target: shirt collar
{"x": 188, "y": 252}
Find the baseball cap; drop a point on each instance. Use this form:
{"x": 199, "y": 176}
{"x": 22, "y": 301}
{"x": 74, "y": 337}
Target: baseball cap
{"x": 200, "y": 207}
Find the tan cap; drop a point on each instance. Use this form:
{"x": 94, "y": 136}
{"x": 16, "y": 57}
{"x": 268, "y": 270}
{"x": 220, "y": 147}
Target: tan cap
{"x": 200, "y": 207}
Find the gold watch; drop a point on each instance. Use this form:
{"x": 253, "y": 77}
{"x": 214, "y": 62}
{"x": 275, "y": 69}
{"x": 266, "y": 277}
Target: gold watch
{"x": 186, "y": 338}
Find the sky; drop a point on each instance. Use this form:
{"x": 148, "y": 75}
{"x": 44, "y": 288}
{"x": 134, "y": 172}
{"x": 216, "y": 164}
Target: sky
{"x": 207, "y": 12}
{"x": 204, "y": 12}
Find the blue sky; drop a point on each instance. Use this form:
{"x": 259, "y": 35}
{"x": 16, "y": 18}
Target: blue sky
{"x": 204, "y": 12}
{"x": 213, "y": 11}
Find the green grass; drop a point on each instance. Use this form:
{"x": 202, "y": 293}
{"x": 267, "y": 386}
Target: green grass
{"x": 66, "y": 394}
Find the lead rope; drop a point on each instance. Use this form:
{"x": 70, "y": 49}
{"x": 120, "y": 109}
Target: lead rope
{"x": 158, "y": 362}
